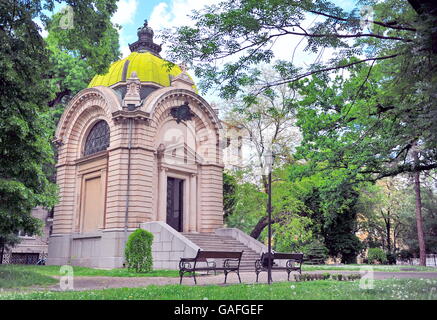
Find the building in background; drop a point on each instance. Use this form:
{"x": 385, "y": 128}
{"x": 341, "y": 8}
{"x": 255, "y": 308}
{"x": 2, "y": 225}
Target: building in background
{"x": 32, "y": 248}
{"x": 235, "y": 146}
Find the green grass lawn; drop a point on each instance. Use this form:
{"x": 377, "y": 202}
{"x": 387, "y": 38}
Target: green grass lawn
{"x": 376, "y": 267}
{"x": 16, "y": 278}
{"x": 393, "y": 289}
{"x": 83, "y": 271}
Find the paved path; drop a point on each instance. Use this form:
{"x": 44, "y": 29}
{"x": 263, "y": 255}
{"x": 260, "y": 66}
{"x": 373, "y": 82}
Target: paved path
{"x": 91, "y": 283}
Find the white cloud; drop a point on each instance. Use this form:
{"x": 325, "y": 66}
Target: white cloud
{"x": 176, "y": 13}
{"x": 125, "y": 51}
{"x": 125, "y": 12}
{"x": 43, "y": 32}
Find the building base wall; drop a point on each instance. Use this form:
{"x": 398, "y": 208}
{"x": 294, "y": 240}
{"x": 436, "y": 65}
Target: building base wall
{"x": 168, "y": 246}
{"x": 103, "y": 249}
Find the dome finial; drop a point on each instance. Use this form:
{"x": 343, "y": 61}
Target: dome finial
{"x": 145, "y": 41}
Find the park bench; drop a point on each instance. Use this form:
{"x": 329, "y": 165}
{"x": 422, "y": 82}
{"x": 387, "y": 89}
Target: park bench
{"x": 293, "y": 263}
{"x": 231, "y": 263}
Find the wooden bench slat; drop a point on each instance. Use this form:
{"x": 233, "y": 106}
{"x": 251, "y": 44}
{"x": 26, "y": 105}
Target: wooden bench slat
{"x": 218, "y": 255}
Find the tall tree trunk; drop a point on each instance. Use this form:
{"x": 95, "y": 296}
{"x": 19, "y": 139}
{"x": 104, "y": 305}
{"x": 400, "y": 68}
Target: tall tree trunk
{"x": 2, "y": 252}
{"x": 259, "y": 227}
{"x": 263, "y": 222}
{"x": 419, "y": 219}
{"x": 59, "y": 97}
{"x": 388, "y": 230}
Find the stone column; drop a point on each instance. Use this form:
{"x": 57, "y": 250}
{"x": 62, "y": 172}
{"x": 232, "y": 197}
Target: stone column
{"x": 193, "y": 203}
{"x": 187, "y": 206}
{"x": 162, "y": 195}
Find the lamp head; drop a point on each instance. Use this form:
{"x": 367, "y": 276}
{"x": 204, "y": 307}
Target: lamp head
{"x": 268, "y": 160}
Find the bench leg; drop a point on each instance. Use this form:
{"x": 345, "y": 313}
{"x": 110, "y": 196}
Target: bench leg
{"x": 181, "y": 275}
{"x": 194, "y": 277}
{"x": 257, "y": 274}
{"x": 288, "y": 277}
{"x": 238, "y": 274}
{"x": 226, "y": 276}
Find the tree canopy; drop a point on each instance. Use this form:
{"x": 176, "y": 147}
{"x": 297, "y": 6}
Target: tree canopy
{"x": 34, "y": 74}
{"x": 365, "y": 113}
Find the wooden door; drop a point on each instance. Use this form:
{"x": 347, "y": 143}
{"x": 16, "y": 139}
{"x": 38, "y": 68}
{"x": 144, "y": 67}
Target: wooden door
{"x": 175, "y": 203}
{"x": 93, "y": 210}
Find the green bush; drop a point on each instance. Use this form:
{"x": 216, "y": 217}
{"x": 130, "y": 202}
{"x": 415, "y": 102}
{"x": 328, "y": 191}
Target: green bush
{"x": 315, "y": 252}
{"x": 376, "y": 255}
{"x": 326, "y": 276}
{"x": 391, "y": 258}
{"x": 405, "y": 255}
{"x": 138, "y": 251}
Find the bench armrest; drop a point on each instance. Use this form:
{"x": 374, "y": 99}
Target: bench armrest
{"x": 211, "y": 264}
{"x": 228, "y": 263}
{"x": 294, "y": 263}
{"x": 188, "y": 259}
{"x": 186, "y": 263}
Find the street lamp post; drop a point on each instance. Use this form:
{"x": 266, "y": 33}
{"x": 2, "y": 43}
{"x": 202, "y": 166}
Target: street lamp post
{"x": 268, "y": 157}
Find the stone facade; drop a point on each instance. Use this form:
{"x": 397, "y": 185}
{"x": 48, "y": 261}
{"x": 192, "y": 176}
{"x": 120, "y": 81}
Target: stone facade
{"x": 106, "y": 195}
{"x": 169, "y": 246}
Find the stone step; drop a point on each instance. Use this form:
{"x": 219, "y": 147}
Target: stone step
{"x": 214, "y": 242}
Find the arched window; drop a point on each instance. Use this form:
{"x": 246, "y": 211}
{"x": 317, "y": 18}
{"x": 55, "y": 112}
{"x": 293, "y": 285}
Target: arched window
{"x": 98, "y": 138}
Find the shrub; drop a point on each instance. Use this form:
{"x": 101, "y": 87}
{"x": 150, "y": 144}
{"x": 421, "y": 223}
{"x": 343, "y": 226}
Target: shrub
{"x": 326, "y": 275}
{"x": 138, "y": 251}
{"x": 405, "y": 255}
{"x": 391, "y": 258}
{"x": 353, "y": 277}
{"x": 315, "y": 252}
{"x": 376, "y": 255}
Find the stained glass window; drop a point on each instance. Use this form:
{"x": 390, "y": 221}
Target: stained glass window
{"x": 98, "y": 138}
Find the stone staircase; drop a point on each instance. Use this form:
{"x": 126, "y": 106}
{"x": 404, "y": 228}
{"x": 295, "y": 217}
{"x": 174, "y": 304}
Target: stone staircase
{"x": 214, "y": 242}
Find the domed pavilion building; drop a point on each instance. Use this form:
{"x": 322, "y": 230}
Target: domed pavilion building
{"x": 138, "y": 148}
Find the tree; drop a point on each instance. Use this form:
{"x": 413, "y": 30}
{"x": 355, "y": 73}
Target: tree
{"x": 268, "y": 120}
{"x": 25, "y": 126}
{"x": 384, "y": 210}
{"x": 331, "y": 199}
{"x": 75, "y": 58}
{"x": 269, "y": 124}
{"x": 370, "y": 143}
{"x": 229, "y": 194}
{"x": 408, "y": 235}
{"x": 27, "y": 76}
{"x": 248, "y": 203}
{"x": 246, "y": 29}
{"x": 388, "y": 107}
